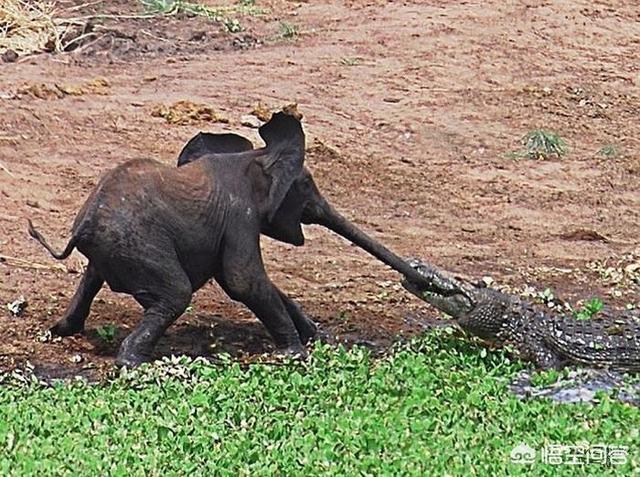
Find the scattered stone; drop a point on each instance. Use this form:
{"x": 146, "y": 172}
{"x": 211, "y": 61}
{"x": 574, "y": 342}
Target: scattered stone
{"x": 244, "y": 42}
{"x": 198, "y": 36}
{"x": 487, "y": 280}
{"x": 46, "y": 336}
{"x": 16, "y": 307}
{"x": 9, "y": 56}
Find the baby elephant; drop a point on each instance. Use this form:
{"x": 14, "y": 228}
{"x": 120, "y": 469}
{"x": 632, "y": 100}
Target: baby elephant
{"x": 160, "y": 233}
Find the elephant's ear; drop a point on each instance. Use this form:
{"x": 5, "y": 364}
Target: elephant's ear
{"x": 286, "y": 224}
{"x": 209, "y": 143}
{"x": 283, "y": 159}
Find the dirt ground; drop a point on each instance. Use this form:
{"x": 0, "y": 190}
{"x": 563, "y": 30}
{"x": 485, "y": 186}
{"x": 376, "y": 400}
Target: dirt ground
{"x": 410, "y": 110}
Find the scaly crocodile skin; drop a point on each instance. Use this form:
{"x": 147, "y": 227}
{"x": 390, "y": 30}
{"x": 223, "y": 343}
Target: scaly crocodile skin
{"x": 548, "y": 340}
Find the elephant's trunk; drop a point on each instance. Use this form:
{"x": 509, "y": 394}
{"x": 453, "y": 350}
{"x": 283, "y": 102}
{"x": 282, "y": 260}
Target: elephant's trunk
{"x": 327, "y": 216}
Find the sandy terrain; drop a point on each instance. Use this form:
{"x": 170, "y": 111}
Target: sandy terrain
{"x": 410, "y": 110}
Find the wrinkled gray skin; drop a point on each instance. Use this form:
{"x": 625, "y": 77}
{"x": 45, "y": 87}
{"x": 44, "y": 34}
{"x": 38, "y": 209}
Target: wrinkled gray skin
{"x": 160, "y": 233}
{"x": 303, "y": 204}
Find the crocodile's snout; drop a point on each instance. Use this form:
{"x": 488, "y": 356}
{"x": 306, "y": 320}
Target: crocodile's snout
{"x": 455, "y": 306}
{"x": 456, "y": 302}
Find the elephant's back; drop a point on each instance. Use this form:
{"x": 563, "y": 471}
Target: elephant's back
{"x": 124, "y": 202}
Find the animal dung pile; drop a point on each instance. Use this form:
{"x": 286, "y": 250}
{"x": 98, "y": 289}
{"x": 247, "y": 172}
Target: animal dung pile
{"x": 187, "y": 112}
{"x": 261, "y": 111}
{"x": 57, "y": 91}
{"x": 98, "y": 86}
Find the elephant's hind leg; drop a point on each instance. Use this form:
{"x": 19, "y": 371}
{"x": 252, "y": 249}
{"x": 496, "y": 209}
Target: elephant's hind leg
{"x": 163, "y": 303}
{"x": 78, "y": 310}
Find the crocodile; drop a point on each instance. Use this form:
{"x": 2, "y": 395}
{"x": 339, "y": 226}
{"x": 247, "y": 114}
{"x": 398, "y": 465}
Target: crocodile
{"x": 547, "y": 339}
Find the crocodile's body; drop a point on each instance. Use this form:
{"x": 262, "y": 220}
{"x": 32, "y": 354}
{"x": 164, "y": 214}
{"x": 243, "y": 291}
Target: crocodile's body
{"x": 550, "y": 341}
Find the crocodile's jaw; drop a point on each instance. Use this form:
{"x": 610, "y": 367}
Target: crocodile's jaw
{"x": 455, "y": 306}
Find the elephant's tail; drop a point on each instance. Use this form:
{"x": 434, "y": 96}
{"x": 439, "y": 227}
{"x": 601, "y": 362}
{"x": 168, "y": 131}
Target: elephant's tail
{"x": 58, "y": 255}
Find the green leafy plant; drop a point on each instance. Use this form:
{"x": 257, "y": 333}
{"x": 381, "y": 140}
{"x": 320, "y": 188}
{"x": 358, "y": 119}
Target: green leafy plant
{"x": 433, "y": 406}
{"x": 608, "y": 151}
{"x": 343, "y": 316}
{"x": 589, "y": 309}
{"x": 217, "y": 14}
{"x": 546, "y": 378}
{"x": 541, "y": 144}
{"x": 160, "y": 6}
{"x": 107, "y": 332}
{"x": 548, "y": 297}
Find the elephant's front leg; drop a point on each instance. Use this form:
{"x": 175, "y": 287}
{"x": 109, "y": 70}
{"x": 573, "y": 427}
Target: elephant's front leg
{"x": 307, "y": 329}
{"x": 265, "y": 302}
{"x": 244, "y": 279}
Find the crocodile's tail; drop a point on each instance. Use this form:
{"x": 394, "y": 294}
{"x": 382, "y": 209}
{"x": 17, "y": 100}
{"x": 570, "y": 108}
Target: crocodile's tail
{"x": 58, "y": 255}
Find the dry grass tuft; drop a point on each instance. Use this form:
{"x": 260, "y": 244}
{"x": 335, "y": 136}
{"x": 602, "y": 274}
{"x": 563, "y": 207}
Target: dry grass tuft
{"x": 30, "y": 26}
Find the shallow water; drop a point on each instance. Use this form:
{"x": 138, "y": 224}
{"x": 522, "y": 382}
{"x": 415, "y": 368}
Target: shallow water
{"x": 580, "y": 385}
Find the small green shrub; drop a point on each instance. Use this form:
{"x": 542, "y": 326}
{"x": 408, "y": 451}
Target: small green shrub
{"x": 608, "y": 151}
{"x": 217, "y": 14}
{"x": 541, "y": 144}
{"x": 288, "y": 30}
{"x": 107, "y": 332}
{"x": 546, "y": 378}
{"x": 589, "y": 309}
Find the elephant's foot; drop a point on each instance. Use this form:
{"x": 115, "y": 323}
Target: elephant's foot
{"x": 66, "y": 327}
{"x": 131, "y": 360}
{"x": 297, "y": 352}
{"x": 307, "y": 330}
{"x": 134, "y": 352}
{"x": 324, "y": 335}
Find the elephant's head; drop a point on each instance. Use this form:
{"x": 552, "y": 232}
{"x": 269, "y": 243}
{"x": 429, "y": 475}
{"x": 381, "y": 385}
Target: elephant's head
{"x": 302, "y": 202}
